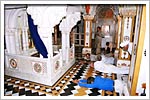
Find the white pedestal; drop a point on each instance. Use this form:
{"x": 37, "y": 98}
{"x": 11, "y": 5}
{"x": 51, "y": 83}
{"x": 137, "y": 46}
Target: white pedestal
{"x": 86, "y": 50}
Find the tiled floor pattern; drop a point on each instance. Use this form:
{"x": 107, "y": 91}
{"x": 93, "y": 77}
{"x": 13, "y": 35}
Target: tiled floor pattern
{"x": 18, "y": 87}
{"x": 64, "y": 87}
{"x": 74, "y": 90}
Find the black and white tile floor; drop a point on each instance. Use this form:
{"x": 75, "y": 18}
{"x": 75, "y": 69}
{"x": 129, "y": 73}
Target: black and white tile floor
{"x": 18, "y": 87}
{"x": 71, "y": 89}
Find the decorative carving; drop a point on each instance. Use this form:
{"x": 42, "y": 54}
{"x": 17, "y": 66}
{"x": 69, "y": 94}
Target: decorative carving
{"x": 56, "y": 65}
{"x": 69, "y": 22}
{"x": 88, "y": 17}
{"x": 127, "y": 10}
{"x": 37, "y": 68}
{"x": 41, "y": 15}
{"x": 126, "y": 38}
{"x": 127, "y": 28}
{"x": 13, "y": 63}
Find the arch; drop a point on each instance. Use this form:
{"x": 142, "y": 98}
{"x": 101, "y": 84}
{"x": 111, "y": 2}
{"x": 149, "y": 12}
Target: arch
{"x": 70, "y": 21}
{"x": 12, "y": 19}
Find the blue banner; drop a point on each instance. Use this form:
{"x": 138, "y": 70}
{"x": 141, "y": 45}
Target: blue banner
{"x": 39, "y": 45}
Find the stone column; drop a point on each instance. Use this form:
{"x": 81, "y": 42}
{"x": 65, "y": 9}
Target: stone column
{"x": 87, "y": 34}
{"x": 65, "y": 48}
{"x": 119, "y": 31}
{"x": 128, "y": 14}
{"x": 127, "y": 20}
{"x": 65, "y": 26}
{"x": 17, "y": 42}
{"x": 25, "y": 34}
{"x": 25, "y": 41}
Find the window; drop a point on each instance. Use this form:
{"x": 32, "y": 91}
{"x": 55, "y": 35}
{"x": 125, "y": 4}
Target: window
{"x": 106, "y": 29}
{"x": 79, "y": 39}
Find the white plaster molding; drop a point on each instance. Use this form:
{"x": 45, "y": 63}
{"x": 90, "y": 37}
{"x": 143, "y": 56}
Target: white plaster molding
{"x": 53, "y": 15}
{"x": 47, "y": 16}
{"x": 36, "y": 13}
{"x": 70, "y": 21}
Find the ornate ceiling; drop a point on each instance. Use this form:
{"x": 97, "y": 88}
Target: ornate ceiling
{"x": 106, "y": 11}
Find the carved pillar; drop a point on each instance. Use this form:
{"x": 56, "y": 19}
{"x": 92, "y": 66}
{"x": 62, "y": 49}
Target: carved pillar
{"x": 119, "y": 31}
{"x": 128, "y": 14}
{"x": 127, "y": 32}
{"x": 65, "y": 45}
{"x": 87, "y": 34}
{"x": 25, "y": 34}
{"x": 118, "y": 35}
{"x": 25, "y": 40}
{"x": 17, "y": 42}
{"x": 65, "y": 26}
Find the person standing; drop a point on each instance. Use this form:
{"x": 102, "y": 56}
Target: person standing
{"x": 99, "y": 36}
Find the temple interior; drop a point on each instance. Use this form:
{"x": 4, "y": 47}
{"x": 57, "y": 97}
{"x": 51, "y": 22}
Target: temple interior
{"x": 47, "y": 47}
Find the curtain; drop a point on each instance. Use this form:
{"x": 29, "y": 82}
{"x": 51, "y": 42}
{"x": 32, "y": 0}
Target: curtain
{"x": 39, "y": 45}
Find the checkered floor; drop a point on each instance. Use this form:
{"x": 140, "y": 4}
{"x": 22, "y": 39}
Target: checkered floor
{"x": 65, "y": 86}
{"x": 85, "y": 71}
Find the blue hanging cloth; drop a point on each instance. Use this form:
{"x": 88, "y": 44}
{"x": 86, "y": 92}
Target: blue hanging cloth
{"x": 39, "y": 45}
